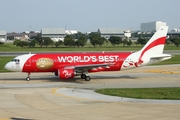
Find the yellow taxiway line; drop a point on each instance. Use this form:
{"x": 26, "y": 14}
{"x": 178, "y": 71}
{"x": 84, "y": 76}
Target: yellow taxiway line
{"x": 162, "y": 72}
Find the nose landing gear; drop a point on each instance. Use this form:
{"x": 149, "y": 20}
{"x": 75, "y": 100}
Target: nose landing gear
{"x": 28, "y": 77}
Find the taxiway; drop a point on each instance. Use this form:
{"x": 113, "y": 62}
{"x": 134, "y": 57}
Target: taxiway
{"x": 46, "y": 97}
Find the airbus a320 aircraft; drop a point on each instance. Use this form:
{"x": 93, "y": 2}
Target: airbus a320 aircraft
{"x": 69, "y": 65}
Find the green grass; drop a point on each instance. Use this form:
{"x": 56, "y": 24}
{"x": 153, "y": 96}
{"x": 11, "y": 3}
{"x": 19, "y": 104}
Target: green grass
{"x": 12, "y": 48}
{"x": 143, "y": 93}
{"x": 3, "y": 61}
{"x": 9, "y": 47}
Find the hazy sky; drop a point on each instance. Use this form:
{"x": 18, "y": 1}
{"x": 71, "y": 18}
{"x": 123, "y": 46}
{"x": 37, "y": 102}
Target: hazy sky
{"x": 86, "y": 15}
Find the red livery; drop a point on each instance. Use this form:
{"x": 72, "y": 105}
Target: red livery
{"x": 69, "y": 65}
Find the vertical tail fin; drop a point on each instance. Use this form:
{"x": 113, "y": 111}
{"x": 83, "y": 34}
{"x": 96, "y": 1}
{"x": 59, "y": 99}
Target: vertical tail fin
{"x": 156, "y": 44}
{"x": 152, "y": 51}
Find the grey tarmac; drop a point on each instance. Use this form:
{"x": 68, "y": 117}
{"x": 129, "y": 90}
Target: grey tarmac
{"x": 44, "y": 98}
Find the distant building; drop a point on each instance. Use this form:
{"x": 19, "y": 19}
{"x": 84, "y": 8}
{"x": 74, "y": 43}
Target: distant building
{"x": 70, "y": 32}
{"x": 174, "y": 33}
{"x": 3, "y": 36}
{"x": 175, "y": 30}
{"x": 152, "y": 26}
{"x": 127, "y": 33}
{"x": 22, "y": 36}
{"x": 55, "y": 34}
{"x": 107, "y": 32}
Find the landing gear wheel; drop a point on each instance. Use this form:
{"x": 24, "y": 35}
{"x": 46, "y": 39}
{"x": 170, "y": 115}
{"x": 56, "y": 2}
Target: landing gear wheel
{"x": 83, "y": 76}
{"x": 28, "y": 78}
{"x": 87, "y": 78}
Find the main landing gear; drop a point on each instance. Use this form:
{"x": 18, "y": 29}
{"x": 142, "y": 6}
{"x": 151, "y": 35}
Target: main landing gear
{"x": 28, "y": 77}
{"x": 84, "y": 76}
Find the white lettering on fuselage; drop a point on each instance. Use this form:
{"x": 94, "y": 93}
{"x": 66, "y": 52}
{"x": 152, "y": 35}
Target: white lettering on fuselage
{"x": 105, "y": 58}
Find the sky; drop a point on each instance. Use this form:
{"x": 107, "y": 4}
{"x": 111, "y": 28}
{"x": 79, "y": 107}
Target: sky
{"x": 86, "y": 15}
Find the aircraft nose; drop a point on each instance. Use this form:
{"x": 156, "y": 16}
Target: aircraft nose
{"x": 8, "y": 66}
{"x": 11, "y": 66}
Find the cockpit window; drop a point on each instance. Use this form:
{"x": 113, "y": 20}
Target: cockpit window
{"x": 15, "y": 60}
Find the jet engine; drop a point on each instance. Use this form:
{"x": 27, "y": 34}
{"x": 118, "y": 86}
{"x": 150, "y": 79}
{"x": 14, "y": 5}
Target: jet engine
{"x": 65, "y": 73}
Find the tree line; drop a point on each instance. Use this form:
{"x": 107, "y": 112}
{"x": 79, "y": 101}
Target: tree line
{"x": 80, "y": 40}
{"x": 76, "y": 40}
{"x": 174, "y": 40}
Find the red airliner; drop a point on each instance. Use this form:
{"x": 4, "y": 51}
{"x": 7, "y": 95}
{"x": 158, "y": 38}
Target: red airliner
{"x": 69, "y": 65}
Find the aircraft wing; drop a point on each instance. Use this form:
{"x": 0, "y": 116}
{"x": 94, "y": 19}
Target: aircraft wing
{"x": 89, "y": 66}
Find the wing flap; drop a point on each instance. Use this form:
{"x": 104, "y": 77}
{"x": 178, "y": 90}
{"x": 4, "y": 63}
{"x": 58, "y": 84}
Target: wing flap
{"x": 89, "y": 66}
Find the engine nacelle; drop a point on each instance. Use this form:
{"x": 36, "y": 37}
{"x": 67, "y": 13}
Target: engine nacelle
{"x": 66, "y": 73}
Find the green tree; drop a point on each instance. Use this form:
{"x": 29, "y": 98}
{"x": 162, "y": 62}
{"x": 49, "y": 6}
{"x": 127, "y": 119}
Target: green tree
{"x": 17, "y": 43}
{"x": 20, "y": 43}
{"x": 142, "y": 41}
{"x": 129, "y": 43}
{"x": 59, "y": 43}
{"x": 82, "y": 40}
{"x": 177, "y": 41}
{"x": 39, "y": 40}
{"x": 101, "y": 41}
{"x": 52, "y": 43}
{"x": 68, "y": 41}
{"x": 77, "y": 43}
{"x": 168, "y": 41}
{"x": 56, "y": 44}
{"x": 136, "y": 43}
{"x": 25, "y": 43}
{"x": 32, "y": 43}
{"x": 94, "y": 38}
{"x": 125, "y": 41}
{"x": 107, "y": 42}
{"x": 115, "y": 40}
{"x": 47, "y": 41}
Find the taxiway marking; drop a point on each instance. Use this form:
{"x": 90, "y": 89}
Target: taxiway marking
{"x": 162, "y": 72}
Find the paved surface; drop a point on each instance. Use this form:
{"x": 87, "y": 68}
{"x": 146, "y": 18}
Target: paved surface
{"x": 44, "y": 98}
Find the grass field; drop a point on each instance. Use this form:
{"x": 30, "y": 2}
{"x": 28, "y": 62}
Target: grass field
{"x": 143, "y": 93}
{"x": 3, "y": 61}
{"x": 9, "y": 47}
